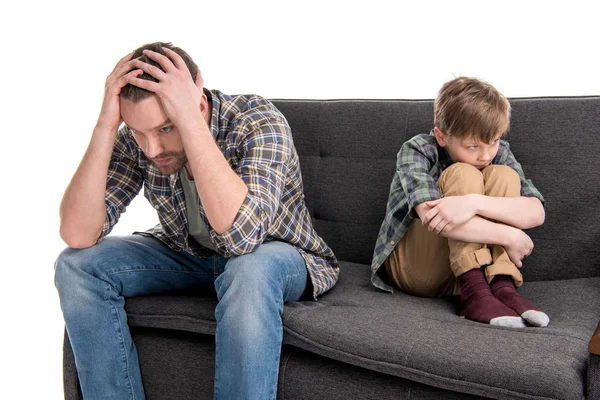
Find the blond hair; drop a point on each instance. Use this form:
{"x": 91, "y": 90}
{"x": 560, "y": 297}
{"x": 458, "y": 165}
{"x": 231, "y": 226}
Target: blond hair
{"x": 468, "y": 107}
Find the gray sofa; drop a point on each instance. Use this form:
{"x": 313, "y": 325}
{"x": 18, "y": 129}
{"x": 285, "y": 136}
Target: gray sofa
{"x": 357, "y": 342}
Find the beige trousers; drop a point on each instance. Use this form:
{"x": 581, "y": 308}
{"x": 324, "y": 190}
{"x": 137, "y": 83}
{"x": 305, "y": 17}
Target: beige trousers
{"x": 426, "y": 264}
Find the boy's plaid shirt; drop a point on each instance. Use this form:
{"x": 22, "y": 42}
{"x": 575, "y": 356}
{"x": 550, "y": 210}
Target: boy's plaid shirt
{"x": 419, "y": 165}
{"x": 256, "y": 140}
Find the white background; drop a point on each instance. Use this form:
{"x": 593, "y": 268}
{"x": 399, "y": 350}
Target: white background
{"x": 55, "y": 56}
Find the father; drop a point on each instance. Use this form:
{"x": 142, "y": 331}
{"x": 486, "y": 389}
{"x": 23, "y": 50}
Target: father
{"x": 223, "y": 174}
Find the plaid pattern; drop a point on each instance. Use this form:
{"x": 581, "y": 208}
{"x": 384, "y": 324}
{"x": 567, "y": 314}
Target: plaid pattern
{"x": 420, "y": 163}
{"x": 256, "y": 140}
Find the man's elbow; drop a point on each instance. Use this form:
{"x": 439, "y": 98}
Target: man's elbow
{"x": 76, "y": 240}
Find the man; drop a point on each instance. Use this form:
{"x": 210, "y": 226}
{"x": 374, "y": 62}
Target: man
{"x": 223, "y": 174}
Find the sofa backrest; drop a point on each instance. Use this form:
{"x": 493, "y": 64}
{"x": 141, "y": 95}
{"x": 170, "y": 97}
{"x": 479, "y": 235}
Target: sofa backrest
{"x": 348, "y": 148}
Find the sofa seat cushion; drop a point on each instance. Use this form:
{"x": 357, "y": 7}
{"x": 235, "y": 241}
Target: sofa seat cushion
{"x": 190, "y": 312}
{"x": 424, "y": 340}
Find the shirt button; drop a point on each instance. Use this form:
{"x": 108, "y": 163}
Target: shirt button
{"x": 157, "y": 207}
{"x": 392, "y": 242}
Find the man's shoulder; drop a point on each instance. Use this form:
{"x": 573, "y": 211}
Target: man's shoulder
{"x": 245, "y": 106}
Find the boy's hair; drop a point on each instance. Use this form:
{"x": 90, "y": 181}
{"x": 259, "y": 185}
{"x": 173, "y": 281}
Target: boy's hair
{"x": 136, "y": 94}
{"x": 469, "y": 106}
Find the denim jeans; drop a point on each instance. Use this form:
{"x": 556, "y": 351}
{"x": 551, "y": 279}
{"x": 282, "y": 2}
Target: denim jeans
{"x": 251, "y": 289}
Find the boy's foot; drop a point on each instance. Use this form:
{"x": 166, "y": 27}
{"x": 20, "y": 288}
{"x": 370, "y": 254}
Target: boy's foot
{"x": 503, "y": 288}
{"x": 480, "y": 305}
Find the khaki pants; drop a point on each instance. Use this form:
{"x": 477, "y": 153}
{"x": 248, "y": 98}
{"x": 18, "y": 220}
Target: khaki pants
{"x": 426, "y": 264}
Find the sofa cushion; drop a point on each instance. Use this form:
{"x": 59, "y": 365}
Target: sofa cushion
{"x": 182, "y": 312}
{"x": 425, "y": 341}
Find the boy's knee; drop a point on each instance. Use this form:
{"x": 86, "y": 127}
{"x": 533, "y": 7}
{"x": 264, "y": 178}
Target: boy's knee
{"x": 459, "y": 179}
{"x": 501, "y": 172}
{"x": 501, "y": 180}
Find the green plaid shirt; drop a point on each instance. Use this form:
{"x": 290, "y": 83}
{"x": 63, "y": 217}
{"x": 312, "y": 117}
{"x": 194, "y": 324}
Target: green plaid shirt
{"x": 419, "y": 166}
{"x": 256, "y": 141}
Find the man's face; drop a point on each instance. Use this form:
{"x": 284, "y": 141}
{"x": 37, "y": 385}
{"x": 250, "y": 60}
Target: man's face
{"x": 469, "y": 150}
{"x": 156, "y": 135}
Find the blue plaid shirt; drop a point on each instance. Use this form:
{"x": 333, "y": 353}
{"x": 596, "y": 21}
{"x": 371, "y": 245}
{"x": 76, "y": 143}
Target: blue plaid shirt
{"x": 256, "y": 141}
{"x": 420, "y": 164}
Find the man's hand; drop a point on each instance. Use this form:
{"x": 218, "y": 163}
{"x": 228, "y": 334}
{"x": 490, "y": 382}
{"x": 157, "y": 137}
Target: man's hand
{"x": 449, "y": 212}
{"x": 178, "y": 94}
{"x": 110, "y": 114}
{"x": 520, "y": 246}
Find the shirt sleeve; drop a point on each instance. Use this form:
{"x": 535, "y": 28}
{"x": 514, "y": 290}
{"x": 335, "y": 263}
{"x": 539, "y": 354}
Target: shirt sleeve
{"x": 414, "y": 170}
{"x": 123, "y": 183}
{"x": 527, "y": 188}
{"x": 266, "y": 149}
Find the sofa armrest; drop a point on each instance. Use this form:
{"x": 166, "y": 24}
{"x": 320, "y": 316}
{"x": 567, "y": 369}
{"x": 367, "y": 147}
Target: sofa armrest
{"x": 594, "y": 346}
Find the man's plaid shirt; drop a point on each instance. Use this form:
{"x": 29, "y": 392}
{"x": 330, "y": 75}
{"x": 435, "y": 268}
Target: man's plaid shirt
{"x": 419, "y": 166}
{"x": 256, "y": 140}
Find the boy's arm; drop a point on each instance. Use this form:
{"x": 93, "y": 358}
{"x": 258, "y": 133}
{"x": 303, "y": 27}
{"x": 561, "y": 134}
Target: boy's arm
{"x": 521, "y": 212}
{"x": 479, "y": 230}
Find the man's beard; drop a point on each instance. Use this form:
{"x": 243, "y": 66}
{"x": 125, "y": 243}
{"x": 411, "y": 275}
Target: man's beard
{"x": 178, "y": 162}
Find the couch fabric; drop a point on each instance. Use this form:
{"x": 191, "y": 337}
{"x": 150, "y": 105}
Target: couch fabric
{"x": 358, "y": 342}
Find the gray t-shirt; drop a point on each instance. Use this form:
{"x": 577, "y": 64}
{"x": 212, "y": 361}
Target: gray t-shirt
{"x": 196, "y": 226}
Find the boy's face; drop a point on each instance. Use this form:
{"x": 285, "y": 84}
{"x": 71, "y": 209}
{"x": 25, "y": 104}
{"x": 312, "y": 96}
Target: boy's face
{"x": 468, "y": 150}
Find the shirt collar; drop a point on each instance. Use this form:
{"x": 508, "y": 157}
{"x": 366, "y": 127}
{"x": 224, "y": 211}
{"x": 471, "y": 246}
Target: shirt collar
{"x": 213, "y": 98}
{"x": 443, "y": 157}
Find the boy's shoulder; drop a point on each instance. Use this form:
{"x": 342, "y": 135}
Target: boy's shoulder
{"x": 424, "y": 143}
{"x": 423, "y": 139}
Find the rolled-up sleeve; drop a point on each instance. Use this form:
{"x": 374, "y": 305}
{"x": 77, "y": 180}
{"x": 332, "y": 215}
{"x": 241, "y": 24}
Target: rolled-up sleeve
{"x": 266, "y": 147}
{"x": 123, "y": 183}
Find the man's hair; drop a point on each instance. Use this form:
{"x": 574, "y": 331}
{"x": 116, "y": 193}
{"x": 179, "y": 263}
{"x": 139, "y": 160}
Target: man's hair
{"x": 136, "y": 94}
{"x": 469, "y": 106}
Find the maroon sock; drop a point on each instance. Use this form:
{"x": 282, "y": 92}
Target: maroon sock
{"x": 503, "y": 288}
{"x": 480, "y": 305}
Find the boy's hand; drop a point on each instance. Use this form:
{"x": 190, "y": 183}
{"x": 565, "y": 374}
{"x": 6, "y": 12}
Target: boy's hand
{"x": 110, "y": 114}
{"x": 177, "y": 91}
{"x": 449, "y": 212}
{"x": 520, "y": 246}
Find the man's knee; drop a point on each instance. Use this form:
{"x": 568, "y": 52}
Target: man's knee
{"x": 251, "y": 270}
{"x": 67, "y": 266}
{"x": 459, "y": 179}
{"x": 75, "y": 267}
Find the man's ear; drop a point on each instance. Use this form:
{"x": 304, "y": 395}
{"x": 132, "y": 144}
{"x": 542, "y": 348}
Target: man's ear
{"x": 440, "y": 137}
{"x": 204, "y": 108}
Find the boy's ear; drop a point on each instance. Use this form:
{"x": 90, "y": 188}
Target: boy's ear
{"x": 439, "y": 137}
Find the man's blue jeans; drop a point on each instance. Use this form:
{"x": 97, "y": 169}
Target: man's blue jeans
{"x": 251, "y": 290}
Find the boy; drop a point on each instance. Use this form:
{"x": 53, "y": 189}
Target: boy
{"x": 456, "y": 210}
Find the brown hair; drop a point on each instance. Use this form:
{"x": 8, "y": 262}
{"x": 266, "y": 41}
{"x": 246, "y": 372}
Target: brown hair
{"x": 136, "y": 94}
{"x": 469, "y": 106}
